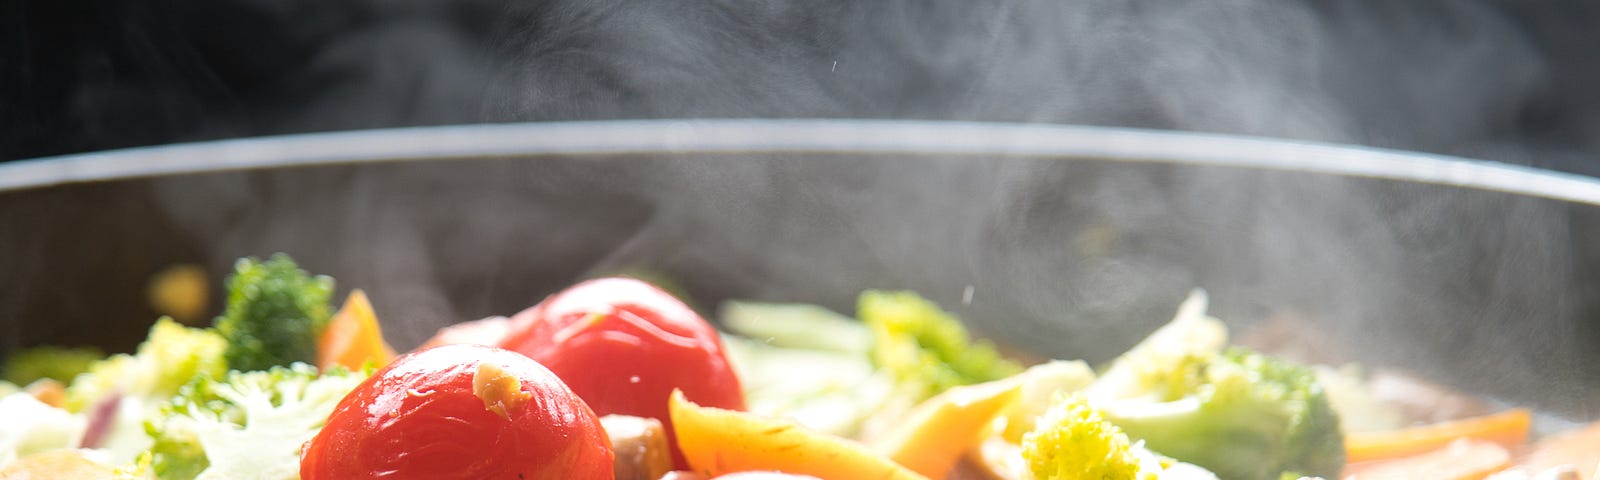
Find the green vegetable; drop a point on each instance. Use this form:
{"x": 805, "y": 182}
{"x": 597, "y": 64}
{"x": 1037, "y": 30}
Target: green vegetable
{"x": 275, "y": 313}
{"x": 245, "y": 425}
{"x": 1236, "y": 412}
{"x": 925, "y": 349}
{"x": 1072, "y": 441}
{"x": 56, "y": 363}
{"x": 796, "y": 325}
{"x": 824, "y": 390}
{"x": 170, "y": 356}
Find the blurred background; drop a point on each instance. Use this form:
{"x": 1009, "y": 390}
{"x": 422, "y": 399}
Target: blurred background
{"x": 1493, "y": 79}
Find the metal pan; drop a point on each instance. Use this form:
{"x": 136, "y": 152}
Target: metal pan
{"x": 1063, "y": 240}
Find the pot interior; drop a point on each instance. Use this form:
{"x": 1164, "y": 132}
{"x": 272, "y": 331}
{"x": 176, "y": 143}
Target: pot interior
{"x": 1064, "y": 257}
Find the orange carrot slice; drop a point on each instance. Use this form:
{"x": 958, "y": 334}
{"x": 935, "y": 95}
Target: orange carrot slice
{"x": 352, "y": 338}
{"x": 1508, "y": 429}
{"x": 1463, "y": 459}
{"x": 719, "y": 442}
{"x": 935, "y": 434}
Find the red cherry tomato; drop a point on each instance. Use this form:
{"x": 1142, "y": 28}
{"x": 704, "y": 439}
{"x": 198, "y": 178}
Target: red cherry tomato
{"x": 460, "y": 411}
{"x": 623, "y": 345}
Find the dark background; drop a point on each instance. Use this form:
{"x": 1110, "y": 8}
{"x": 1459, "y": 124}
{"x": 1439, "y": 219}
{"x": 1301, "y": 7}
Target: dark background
{"x": 1504, "y": 80}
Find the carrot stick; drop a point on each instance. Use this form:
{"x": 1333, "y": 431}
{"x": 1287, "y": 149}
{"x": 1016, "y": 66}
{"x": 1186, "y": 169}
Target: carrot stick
{"x": 1509, "y": 429}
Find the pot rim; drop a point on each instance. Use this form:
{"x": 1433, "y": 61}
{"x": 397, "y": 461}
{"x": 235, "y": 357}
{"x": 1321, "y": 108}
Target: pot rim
{"x": 810, "y": 136}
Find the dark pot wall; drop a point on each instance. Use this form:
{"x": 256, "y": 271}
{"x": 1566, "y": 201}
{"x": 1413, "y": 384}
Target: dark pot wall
{"x": 1069, "y": 258}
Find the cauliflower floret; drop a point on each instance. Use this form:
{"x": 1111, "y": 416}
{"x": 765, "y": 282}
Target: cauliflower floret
{"x": 247, "y": 424}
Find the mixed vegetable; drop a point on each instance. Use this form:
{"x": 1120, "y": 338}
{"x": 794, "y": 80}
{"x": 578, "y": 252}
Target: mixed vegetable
{"x": 616, "y": 378}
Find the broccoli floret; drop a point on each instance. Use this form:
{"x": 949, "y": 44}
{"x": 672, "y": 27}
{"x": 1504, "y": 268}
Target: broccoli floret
{"x": 1262, "y": 417}
{"x": 1072, "y": 441}
{"x": 1042, "y": 386}
{"x": 56, "y": 363}
{"x": 275, "y": 313}
{"x": 170, "y": 356}
{"x": 1235, "y": 412}
{"x": 924, "y": 348}
{"x": 245, "y": 425}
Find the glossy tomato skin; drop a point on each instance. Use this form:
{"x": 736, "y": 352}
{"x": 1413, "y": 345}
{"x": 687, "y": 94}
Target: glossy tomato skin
{"x": 623, "y": 345}
{"x": 419, "y": 418}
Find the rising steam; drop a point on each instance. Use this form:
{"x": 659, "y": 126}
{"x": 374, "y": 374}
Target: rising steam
{"x": 1068, "y": 259}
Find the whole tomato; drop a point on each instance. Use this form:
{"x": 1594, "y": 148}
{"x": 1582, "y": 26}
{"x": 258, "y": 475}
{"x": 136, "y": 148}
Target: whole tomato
{"x": 623, "y": 345}
{"x": 460, "y": 411}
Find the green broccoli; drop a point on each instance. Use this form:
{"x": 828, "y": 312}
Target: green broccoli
{"x": 56, "y": 363}
{"x": 1236, "y": 412}
{"x": 275, "y": 313}
{"x": 245, "y": 425}
{"x": 170, "y": 356}
{"x": 925, "y": 349}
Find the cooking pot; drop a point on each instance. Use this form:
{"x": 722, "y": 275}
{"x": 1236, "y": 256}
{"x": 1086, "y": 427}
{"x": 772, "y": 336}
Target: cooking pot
{"x": 1064, "y": 241}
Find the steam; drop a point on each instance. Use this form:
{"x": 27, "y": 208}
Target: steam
{"x": 1433, "y": 77}
{"x": 1069, "y": 259}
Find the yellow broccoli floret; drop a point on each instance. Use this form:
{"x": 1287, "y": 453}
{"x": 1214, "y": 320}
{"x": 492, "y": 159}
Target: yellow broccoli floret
{"x": 1072, "y": 441}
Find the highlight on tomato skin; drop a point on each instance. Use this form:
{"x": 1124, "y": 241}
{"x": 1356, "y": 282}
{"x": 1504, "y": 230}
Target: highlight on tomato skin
{"x": 623, "y": 345}
{"x": 460, "y": 411}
